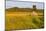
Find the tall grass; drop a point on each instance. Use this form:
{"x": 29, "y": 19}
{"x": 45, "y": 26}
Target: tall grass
{"x": 24, "y": 22}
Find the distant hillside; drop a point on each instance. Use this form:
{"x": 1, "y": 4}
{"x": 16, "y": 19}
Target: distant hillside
{"x": 16, "y": 9}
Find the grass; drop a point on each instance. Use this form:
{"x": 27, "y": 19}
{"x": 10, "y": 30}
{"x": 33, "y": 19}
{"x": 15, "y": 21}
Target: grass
{"x": 24, "y": 22}
{"x": 21, "y": 19}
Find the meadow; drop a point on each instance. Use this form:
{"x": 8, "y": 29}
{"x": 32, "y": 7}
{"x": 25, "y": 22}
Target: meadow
{"x": 23, "y": 20}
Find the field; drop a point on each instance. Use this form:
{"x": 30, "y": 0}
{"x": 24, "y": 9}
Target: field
{"x": 23, "y": 20}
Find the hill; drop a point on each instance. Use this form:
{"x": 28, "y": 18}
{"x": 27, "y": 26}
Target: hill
{"x": 16, "y": 9}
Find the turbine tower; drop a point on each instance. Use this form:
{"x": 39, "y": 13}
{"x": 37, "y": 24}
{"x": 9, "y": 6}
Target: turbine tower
{"x": 34, "y": 7}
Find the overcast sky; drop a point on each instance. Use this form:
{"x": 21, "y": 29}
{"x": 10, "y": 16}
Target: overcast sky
{"x": 13, "y": 3}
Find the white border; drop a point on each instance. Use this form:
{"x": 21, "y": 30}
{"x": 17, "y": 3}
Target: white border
{"x": 33, "y": 0}
{"x": 2, "y": 15}
{"x": 2, "y": 21}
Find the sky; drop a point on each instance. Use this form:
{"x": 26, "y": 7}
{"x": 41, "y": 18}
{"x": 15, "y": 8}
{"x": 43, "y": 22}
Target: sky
{"x": 22, "y": 4}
